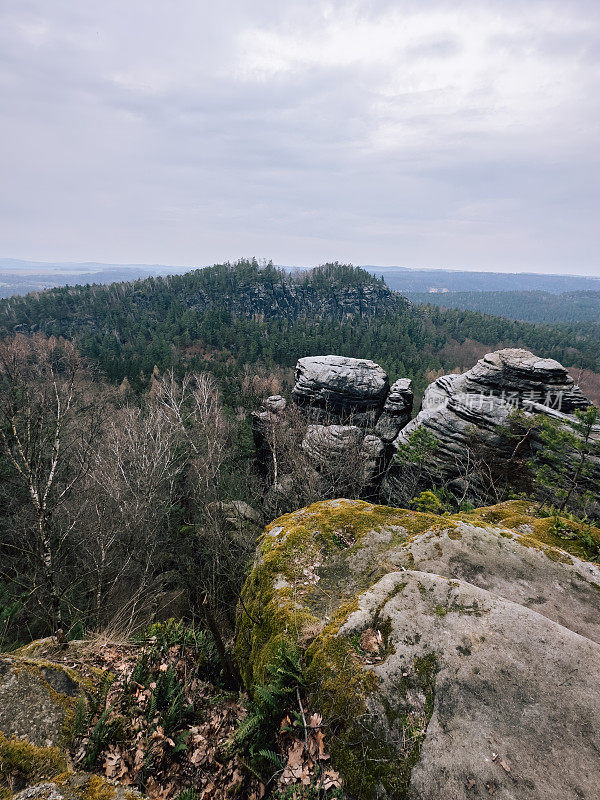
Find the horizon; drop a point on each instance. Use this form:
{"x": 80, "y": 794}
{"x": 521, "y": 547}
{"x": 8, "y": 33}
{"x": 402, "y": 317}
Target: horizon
{"x": 448, "y": 136}
{"x": 59, "y": 264}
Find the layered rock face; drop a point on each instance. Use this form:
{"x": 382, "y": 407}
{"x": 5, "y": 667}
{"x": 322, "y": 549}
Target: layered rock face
{"x": 396, "y": 410}
{"x": 296, "y": 300}
{"x": 448, "y": 656}
{"x": 345, "y": 447}
{"x": 336, "y": 389}
{"x": 480, "y": 402}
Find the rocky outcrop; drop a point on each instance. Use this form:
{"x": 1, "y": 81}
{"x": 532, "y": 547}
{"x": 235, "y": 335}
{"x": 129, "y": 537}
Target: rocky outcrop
{"x": 343, "y": 448}
{"x": 479, "y": 402}
{"x": 449, "y": 656}
{"x": 263, "y": 425}
{"x": 396, "y": 410}
{"x": 339, "y": 389}
{"x": 38, "y": 699}
{"x": 38, "y": 703}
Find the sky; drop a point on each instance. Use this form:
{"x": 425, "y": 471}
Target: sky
{"x": 423, "y": 133}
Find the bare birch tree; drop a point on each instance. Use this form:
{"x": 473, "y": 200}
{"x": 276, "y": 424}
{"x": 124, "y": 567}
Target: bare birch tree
{"x": 48, "y": 424}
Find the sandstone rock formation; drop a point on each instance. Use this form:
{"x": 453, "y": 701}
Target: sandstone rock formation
{"x": 338, "y": 389}
{"x": 451, "y": 657}
{"x": 263, "y": 422}
{"x": 345, "y": 447}
{"x": 396, "y": 410}
{"x": 480, "y": 401}
{"x": 37, "y": 699}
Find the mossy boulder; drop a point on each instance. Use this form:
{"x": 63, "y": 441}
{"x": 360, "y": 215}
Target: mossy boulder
{"x": 23, "y": 764}
{"x": 40, "y": 687}
{"x": 78, "y": 786}
{"x": 38, "y": 698}
{"x": 448, "y": 655}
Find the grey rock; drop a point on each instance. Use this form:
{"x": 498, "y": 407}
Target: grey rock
{"x": 238, "y": 512}
{"x": 337, "y": 389}
{"x": 326, "y": 444}
{"x": 264, "y": 424}
{"x": 334, "y": 447}
{"x": 276, "y": 404}
{"x": 78, "y": 786}
{"x": 396, "y": 410}
{"x": 36, "y": 699}
{"x": 489, "y": 646}
{"x": 480, "y": 401}
{"x": 507, "y": 688}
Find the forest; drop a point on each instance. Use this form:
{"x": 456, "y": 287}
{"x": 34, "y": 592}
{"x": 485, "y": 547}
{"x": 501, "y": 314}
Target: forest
{"x": 530, "y": 306}
{"x": 139, "y": 465}
{"x": 230, "y": 316}
{"x": 126, "y": 427}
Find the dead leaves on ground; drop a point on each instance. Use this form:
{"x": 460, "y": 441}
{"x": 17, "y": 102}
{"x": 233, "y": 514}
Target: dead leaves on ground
{"x": 197, "y": 754}
{"x": 306, "y": 757}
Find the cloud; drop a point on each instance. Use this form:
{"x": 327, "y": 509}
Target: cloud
{"x": 422, "y": 133}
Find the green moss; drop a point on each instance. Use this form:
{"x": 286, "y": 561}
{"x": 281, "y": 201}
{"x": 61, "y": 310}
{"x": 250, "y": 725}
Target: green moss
{"x": 22, "y": 763}
{"x": 97, "y": 789}
{"x": 323, "y": 557}
{"x": 286, "y": 594}
{"x": 517, "y": 515}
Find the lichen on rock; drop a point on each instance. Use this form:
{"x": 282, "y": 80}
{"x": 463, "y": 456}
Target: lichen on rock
{"x": 432, "y": 644}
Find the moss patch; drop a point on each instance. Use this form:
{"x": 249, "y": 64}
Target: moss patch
{"x": 97, "y": 789}
{"x": 521, "y": 514}
{"x": 304, "y": 560}
{"x": 22, "y": 763}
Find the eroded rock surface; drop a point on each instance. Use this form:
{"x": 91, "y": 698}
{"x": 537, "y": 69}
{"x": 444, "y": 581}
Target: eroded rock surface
{"x": 479, "y": 402}
{"x": 450, "y": 656}
{"x": 345, "y": 448}
{"x": 338, "y": 389}
{"x": 396, "y": 410}
{"x": 37, "y": 699}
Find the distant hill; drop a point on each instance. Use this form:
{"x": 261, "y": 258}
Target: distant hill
{"x": 580, "y": 306}
{"x": 18, "y": 277}
{"x": 229, "y": 316}
{"x": 403, "y": 279}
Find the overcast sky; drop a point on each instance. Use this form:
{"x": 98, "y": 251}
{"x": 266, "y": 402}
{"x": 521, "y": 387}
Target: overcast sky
{"x": 426, "y": 133}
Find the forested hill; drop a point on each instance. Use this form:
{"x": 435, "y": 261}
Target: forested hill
{"x": 245, "y": 289}
{"x": 231, "y": 315}
{"x": 580, "y": 306}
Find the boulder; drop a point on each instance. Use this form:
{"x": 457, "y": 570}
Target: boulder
{"x": 451, "y": 657}
{"x": 238, "y": 513}
{"x": 340, "y": 389}
{"x": 479, "y": 402}
{"x": 39, "y": 694}
{"x": 78, "y": 786}
{"x": 38, "y": 699}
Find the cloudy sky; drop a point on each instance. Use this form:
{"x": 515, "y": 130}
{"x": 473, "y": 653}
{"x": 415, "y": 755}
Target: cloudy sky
{"x": 433, "y": 133}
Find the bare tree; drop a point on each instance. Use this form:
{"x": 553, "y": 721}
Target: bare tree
{"x": 123, "y": 518}
{"x": 48, "y": 425}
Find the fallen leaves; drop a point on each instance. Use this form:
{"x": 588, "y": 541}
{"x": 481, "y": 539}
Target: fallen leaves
{"x": 305, "y": 757}
{"x": 195, "y": 754}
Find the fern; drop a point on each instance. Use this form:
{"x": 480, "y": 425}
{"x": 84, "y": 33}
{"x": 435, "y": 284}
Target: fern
{"x": 272, "y": 758}
{"x": 256, "y": 736}
{"x": 104, "y": 733}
